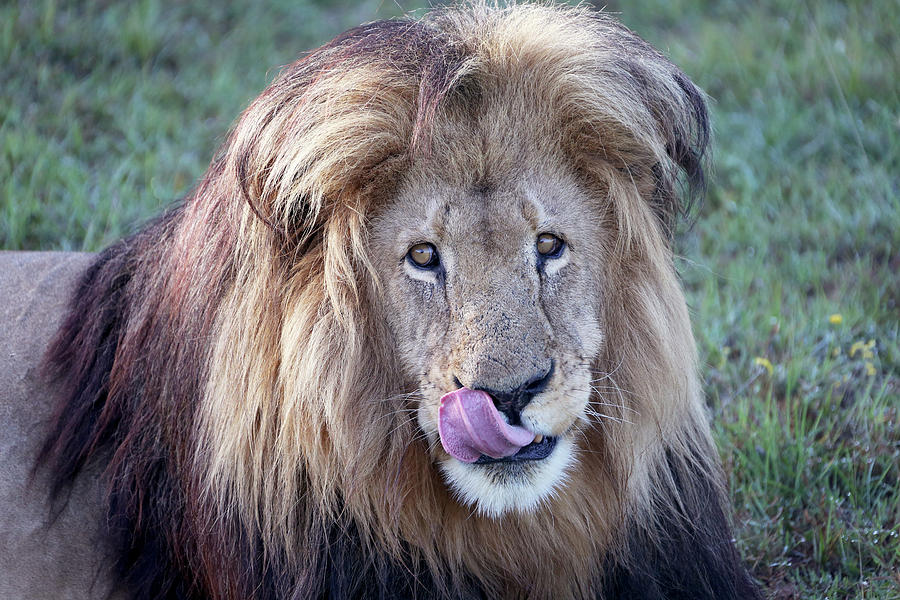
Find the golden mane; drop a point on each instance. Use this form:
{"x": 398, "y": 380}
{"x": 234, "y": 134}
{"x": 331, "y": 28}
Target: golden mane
{"x": 233, "y": 357}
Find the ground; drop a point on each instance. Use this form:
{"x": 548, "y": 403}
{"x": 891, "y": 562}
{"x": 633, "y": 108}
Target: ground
{"x": 109, "y": 110}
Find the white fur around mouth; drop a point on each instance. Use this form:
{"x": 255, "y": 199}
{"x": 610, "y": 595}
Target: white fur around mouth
{"x": 498, "y": 488}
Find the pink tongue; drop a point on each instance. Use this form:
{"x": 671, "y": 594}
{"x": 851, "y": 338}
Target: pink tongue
{"x": 470, "y": 426}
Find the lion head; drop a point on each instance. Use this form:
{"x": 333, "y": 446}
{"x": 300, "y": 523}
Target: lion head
{"x": 421, "y": 314}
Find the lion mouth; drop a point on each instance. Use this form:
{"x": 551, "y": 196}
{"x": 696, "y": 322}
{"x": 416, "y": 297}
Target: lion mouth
{"x": 537, "y": 450}
{"x": 473, "y": 431}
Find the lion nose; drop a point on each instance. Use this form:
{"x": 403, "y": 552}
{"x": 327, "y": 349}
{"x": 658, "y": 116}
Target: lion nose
{"x": 512, "y": 402}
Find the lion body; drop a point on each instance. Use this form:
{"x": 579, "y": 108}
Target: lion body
{"x": 40, "y": 559}
{"x": 259, "y": 374}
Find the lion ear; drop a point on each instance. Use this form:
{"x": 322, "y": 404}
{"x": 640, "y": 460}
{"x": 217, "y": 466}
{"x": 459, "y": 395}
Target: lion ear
{"x": 634, "y": 115}
{"x": 687, "y": 149}
{"x": 335, "y": 123}
{"x": 682, "y": 122}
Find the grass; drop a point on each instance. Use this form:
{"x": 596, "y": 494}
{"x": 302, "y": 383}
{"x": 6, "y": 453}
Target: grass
{"x": 109, "y": 111}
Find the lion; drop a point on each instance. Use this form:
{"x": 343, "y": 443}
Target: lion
{"x": 416, "y": 333}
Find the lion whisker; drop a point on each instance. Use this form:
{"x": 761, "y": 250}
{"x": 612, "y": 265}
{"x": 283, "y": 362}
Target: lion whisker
{"x": 603, "y": 416}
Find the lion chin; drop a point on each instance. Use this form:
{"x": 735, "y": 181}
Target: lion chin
{"x": 416, "y": 333}
{"x": 494, "y": 489}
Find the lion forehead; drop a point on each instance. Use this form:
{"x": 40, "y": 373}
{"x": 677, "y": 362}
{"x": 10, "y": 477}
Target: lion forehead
{"x": 469, "y": 213}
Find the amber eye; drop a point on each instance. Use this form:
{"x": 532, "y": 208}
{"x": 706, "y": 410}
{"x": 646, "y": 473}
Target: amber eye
{"x": 549, "y": 246}
{"x": 423, "y": 255}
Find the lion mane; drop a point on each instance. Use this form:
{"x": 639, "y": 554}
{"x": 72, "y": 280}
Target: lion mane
{"x": 231, "y": 369}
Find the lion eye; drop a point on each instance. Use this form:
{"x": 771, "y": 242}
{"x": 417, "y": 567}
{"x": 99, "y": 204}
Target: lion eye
{"x": 424, "y": 256}
{"x": 549, "y": 246}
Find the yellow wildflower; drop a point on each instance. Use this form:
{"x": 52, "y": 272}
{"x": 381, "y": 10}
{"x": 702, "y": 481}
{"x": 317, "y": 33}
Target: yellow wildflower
{"x": 836, "y": 352}
{"x": 836, "y": 319}
{"x": 870, "y": 369}
{"x": 865, "y": 348}
{"x": 764, "y": 362}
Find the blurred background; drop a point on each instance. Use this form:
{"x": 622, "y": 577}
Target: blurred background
{"x": 110, "y": 111}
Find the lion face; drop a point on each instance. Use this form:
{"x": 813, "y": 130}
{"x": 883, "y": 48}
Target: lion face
{"x": 492, "y": 285}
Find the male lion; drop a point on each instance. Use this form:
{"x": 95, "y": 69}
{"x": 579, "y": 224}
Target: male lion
{"x": 416, "y": 333}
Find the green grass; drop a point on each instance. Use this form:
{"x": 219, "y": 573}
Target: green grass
{"x": 109, "y": 111}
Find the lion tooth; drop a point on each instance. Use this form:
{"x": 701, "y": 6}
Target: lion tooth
{"x": 538, "y": 439}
